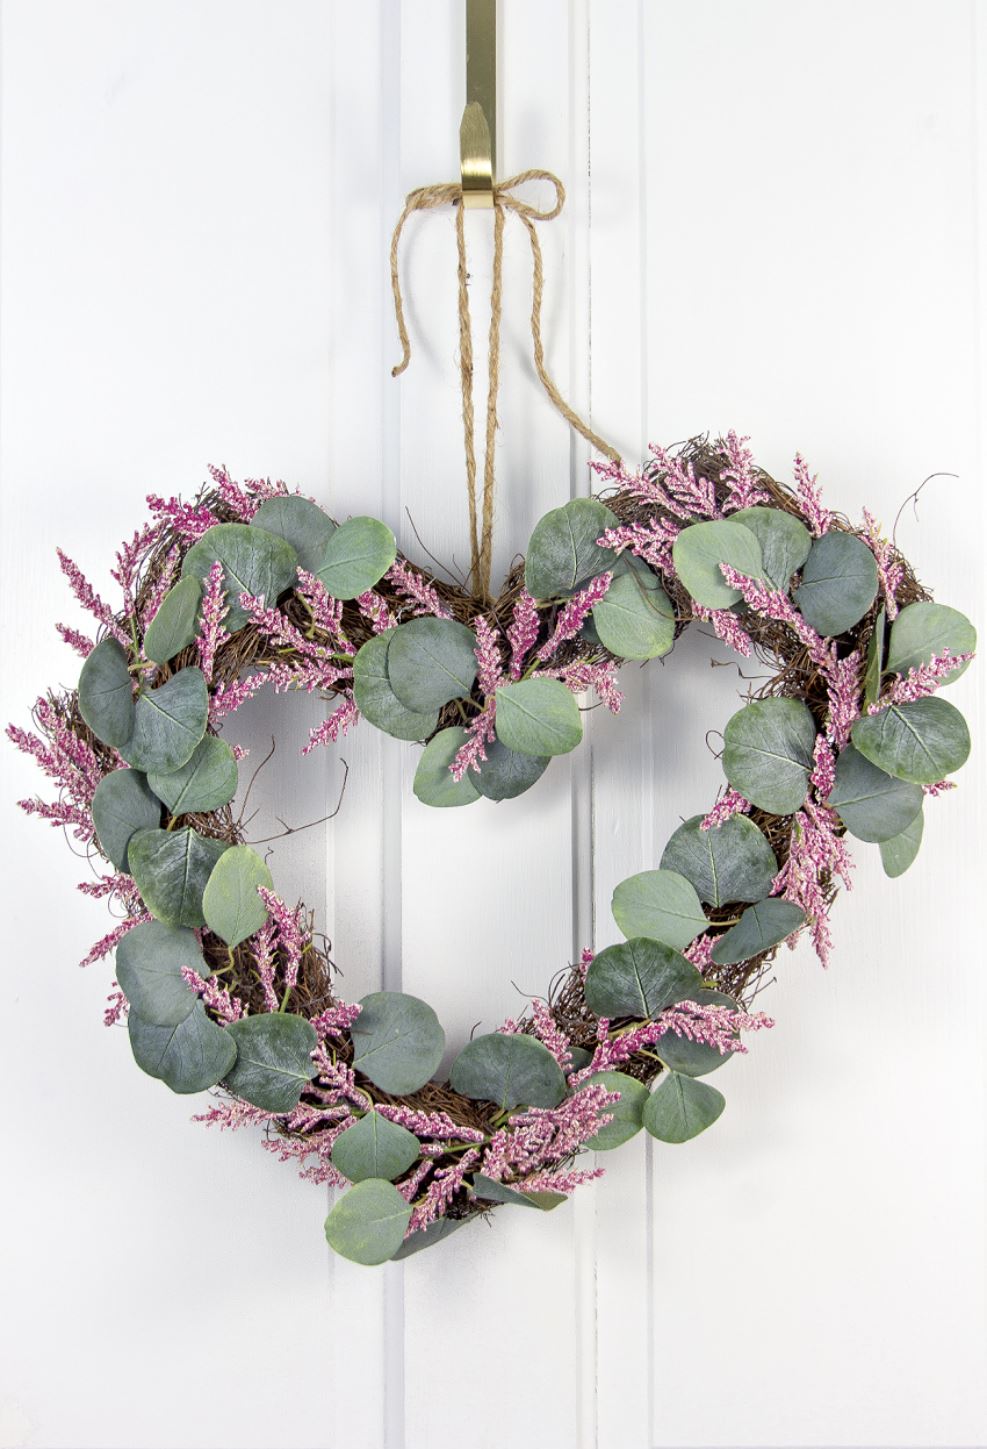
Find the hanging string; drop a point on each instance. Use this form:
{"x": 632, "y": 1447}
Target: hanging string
{"x": 504, "y": 201}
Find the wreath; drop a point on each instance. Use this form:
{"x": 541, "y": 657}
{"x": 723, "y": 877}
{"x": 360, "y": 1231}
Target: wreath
{"x": 226, "y": 985}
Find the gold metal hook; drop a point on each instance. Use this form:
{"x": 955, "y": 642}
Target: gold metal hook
{"x": 478, "y": 128}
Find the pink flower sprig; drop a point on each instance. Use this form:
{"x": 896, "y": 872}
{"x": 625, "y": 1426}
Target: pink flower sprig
{"x": 216, "y": 997}
{"x": 580, "y": 677}
{"x": 374, "y": 608}
{"x": 550, "y": 1034}
{"x": 336, "y": 1020}
{"x": 700, "y": 951}
{"x": 88, "y": 598}
{"x": 819, "y": 519}
{"x": 726, "y": 626}
{"x": 522, "y": 632}
{"x": 651, "y": 541}
{"x": 480, "y": 732}
{"x": 334, "y": 727}
{"x": 130, "y": 556}
{"x": 117, "y": 1007}
{"x": 309, "y": 675}
{"x": 823, "y": 776}
{"x": 544, "y": 1136}
{"x": 81, "y": 643}
{"x": 816, "y": 854}
{"x": 327, "y": 612}
{"x": 774, "y": 604}
{"x": 241, "y": 504}
{"x": 438, "y": 1126}
{"x": 939, "y": 788}
{"x": 292, "y": 937}
{"x": 672, "y": 483}
{"x": 490, "y": 665}
{"x": 189, "y": 520}
{"x": 564, "y": 1181}
{"x": 573, "y": 615}
{"x": 740, "y": 475}
{"x": 214, "y": 610}
{"x": 843, "y": 694}
{"x": 890, "y": 570}
{"x": 263, "y": 947}
{"x": 112, "y": 939}
{"x": 164, "y": 581}
{"x": 730, "y": 803}
{"x": 228, "y": 697}
{"x": 444, "y": 1186}
{"x": 921, "y": 680}
{"x": 413, "y": 586}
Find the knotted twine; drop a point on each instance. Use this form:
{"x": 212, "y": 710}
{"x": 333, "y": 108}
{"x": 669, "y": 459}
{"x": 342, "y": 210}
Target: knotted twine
{"x": 451, "y": 194}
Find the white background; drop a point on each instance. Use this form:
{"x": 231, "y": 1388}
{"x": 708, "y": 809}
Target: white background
{"x": 772, "y": 225}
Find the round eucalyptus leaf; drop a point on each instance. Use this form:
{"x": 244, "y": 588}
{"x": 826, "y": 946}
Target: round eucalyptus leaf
{"x": 171, "y": 868}
{"x": 398, "y": 1041}
{"x": 106, "y": 695}
{"x": 168, "y": 723}
{"x": 785, "y": 542}
{"x": 924, "y": 629}
{"x": 625, "y": 1113}
{"x": 207, "y": 780}
{"x": 273, "y": 1060}
{"x": 873, "y": 805}
{"x": 356, "y": 556}
{"x": 149, "y": 961}
{"x": 839, "y": 583}
{"x": 538, "y": 717}
{"x": 374, "y": 1147}
{"x": 767, "y": 753}
{"x": 189, "y": 1057}
{"x": 635, "y": 619}
{"x": 429, "y": 1236}
{"x": 694, "y": 1058}
{"x": 300, "y": 523}
{"x": 122, "y": 805}
{"x": 505, "y": 773}
{"x": 874, "y": 665}
{"x": 898, "y": 853}
{"x": 254, "y": 562}
{"x": 681, "y": 1108}
{"x": 230, "y": 902}
{"x": 490, "y": 1190}
{"x": 760, "y": 927}
{"x": 173, "y": 627}
{"x": 563, "y": 552}
{"x": 508, "y": 1070}
{"x": 730, "y": 862}
{"x": 660, "y": 904}
{"x": 698, "y": 552}
{"x": 922, "y": 741}
{"x": 368, "y": 1223}
{"x": 376, "y": 700}
{"x": 430, "y": 662}
{"x": 433, "y": 782}
{"x": 639, "y": 978}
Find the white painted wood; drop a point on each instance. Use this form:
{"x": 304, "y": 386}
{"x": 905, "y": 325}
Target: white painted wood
{"x": 772, "y": 224}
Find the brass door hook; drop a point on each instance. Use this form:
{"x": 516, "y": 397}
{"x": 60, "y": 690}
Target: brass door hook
{"x": 478, "y": 128}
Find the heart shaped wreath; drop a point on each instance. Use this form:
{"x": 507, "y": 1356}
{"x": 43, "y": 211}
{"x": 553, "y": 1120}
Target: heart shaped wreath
{"x": 224, "y": 984}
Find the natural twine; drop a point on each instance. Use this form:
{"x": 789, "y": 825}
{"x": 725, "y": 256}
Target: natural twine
{"x": 451, "y": 194}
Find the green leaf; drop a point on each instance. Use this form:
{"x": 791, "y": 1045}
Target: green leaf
{"x": 626, "y": 1112}
{"x": 374, "y": 1147}
{"x": 430, "y": 662}
{"x": 490, "y": 1190}
{"x": 875, "y": 657}
{"x": 433, "y": 783}
{"x": 169, "y": 722}
{"x": 730, "y": 862}
{"x": 207, "y": 780}
{"x": 785, "y": 542}
{"x": 106, "y": 698}
{"x": 356, "y": 557}
{"x": 922, "y": 741}
{"x": 173, "y": 627}
{"x": 149, "y": 961}
{"x": 274, "y": 1060}
{"x": 122, "y": 805}
{"x": 660, "y": 904}
{"x": 368, "y": 1223}
{"x": 639, "y": 978}
{"x": 429, "y": 1236}
{"x": 635, "y": 619}
{"x": 681, "y": 1108}
{"x": 508, "y": 1070}
{"x": 767, "y": 753}
{"x": 563, "y": 552}
{"x": 898, "y": 853}
{"x": 506, "y": 773}
{"x": 538, "y": 717}
{"x": 300, "y": 523}
{"x": 398, "y": 1041}
{"x": 924, "y": 629}
{"x": 760, "y": 927}
{"x": 230, "y": 902}
{"x": 376, "y": 700}
{"x": 254, "y": 562}
{"x": 701, "y": 548}
{"x": 189, "y": 1057}
{"x": 171, "y": 868}
{"x": 694, "y": 1058}
{"x": 839, "y": 583}
{"x": 873, "y": 805}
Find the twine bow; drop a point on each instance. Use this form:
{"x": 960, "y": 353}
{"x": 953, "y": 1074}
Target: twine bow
{"x": 451, "y": 194}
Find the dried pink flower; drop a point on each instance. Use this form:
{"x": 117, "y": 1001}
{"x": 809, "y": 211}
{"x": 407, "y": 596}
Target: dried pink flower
{"x": 740, "y": 475}
{"x": 731, "y": 802}
{"x": 333, "y": 728}
{"x": 818, "y": 518}
{"x": 414, "y": 587}
{"x": 81, "y": 643}
{"x": 214, "y": 610}
{"x": 816, "y": 854}
{"x": 921, "y": 680}
{"x": 522, "y": 632}
{"x": 112, "y": 939}
{"x": 890, "y": 571}
{"x": 726, "y": 626}
{"x": 88, "y": 598}
{"x": 574, "y": 613}
{"x": 374, "y": 608}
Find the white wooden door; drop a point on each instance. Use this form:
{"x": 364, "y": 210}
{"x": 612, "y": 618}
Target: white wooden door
{"x": 773, "y": 224}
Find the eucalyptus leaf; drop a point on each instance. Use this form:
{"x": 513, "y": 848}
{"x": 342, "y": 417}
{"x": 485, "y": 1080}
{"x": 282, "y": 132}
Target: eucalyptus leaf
{"x": 427, "y": 1237}
{"x": 873, "y": 668}
{"x": 839, "y": 583}
{"x": 508, "y": 1069}
{"x": 171, "y": 868}
{"x": 898, "y": 853}
{"x": 356, "y": 556}
{"x": 368, "y": 1223}
{"x": 430, "y": 662}
{"x": 635, "y": 619}
{"x": 122, "y": 805}
{"x": 230, "y": 902}
{"x": 760, "y": 927}
{"x": 767, "y": 753}
{"x": 660, "y": 904}
{"x": 398, "y": 1041}
{"x": 563, "y": 552}
{"x": 433, "y": 782}
{"x": 694, "y": 1058}
{"x": 924, "y": 629}
{"x": 505, "y": 773}
{"x": 873, "y": 805}
{"x": 785, "y": 542}
{"x": 681, "y": 1108}
{"x": 274, "y": 1060}
{"x": 538, "y": 717}
{"x": 189, "y": 1057}
{"x": 254, "y": 562}
{"x": 490, "y": 1190}
{"x": 106, "y": 697}
{"x": 923, "y": 741}
{"x": 625, "y": 1113}
{"x": 300, "y": 523}
{"x": 149, "y": 961}
{"x": 701, "y": 548}
{"x": 375, "y": 1147}
{"x": 207, "y": 780}
{"x": 639, "y": 978}
{"x": 168, "y": 723}
{"x": 173, "y": 627}
{"x": 376, "y": 700}
{"x": 730, "y": 862}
